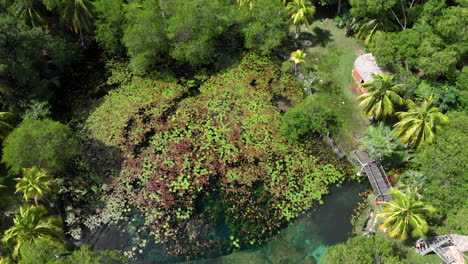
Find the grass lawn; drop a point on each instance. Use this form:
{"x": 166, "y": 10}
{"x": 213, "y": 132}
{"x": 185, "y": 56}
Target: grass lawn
{"x": 415, "y": 258}
{"x": 336, "y": 54}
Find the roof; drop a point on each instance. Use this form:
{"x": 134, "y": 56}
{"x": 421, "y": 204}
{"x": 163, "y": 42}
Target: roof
{"x": 461, "y": 242}
{"x": 356, "y": 76}
{"x": 366, "y": 66}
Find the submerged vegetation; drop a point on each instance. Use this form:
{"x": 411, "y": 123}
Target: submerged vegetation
{"x": 202, "y": 127}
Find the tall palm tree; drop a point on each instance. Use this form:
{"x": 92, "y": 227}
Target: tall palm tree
{"x": 31, "y": 224}
{"x": 420, "y": 124}
{"x": 366, "y": 28}
{"x": 31, "y": 12}
{"x": 5, "y": 124}
{"x": 300, "y": 11}
{"x": 297, "y": 57}
{"x": 382, "y": 97}
{"x": 35, "y": 184}
{"x": 405, "y": 214}
{"x": 78, "y": 15}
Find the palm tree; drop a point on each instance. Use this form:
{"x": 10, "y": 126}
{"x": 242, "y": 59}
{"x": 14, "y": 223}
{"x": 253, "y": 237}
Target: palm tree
{"x": 35, "y": 184}
{"x": 5, "y": 126}
{"x": 405, "y": 214}
{"x": 299, "y": 12}
{"x": 297, "y": 57}
{"x": 249, "y": 2}
{"x": 420, "y": 124}
{"x": 78, "y": 15}
{"x": 366, "y": 28}
{"x": 382, "y": 96}
{"x": 30, "y": 225}
{"x": 30, "y": 12}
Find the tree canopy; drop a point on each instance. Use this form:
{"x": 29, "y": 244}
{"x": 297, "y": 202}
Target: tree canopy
{"x": 44, "y": 144}
{"x": 364, "y": 249}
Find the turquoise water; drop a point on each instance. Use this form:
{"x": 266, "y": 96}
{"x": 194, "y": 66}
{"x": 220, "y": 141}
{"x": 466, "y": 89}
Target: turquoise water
{"x": 305, "y": 239}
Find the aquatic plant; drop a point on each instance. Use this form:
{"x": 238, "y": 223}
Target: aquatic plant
{"x": 191, "y": 162}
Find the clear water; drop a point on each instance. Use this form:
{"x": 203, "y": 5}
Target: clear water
{"x": 305, "y": 239}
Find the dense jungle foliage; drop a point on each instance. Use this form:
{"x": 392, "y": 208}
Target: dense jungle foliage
{"x": 203, "y": 127}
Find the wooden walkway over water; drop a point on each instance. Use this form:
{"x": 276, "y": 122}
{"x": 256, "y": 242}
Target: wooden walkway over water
{"x": 376, "y": 175}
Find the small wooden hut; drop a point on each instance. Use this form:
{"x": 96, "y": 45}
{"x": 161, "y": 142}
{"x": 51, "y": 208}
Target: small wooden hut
{"x": 365, "y": 67}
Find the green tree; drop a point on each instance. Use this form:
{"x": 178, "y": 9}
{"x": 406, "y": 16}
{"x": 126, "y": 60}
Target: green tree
{"x": 30, "y": 12}
{"x": 455, "y": 222}
{"x": 405, "y": 214}
{"x": 78, "y": 14}
{"x": 366, "y": 28}
{"x": 446, "y": 167}
{"x": 297, "y": 57}
{"x": 420, "y": 124}
{"x": 43, "y": 252}
{"x": 31, "y": 61}
{"x": 382, "y": 97}
{"x": 428, "y": 47}
{"x": 266, "y": 29}
{"x": 402, "y": 12}
{"x": 381, "y": 145}
{"x": 187, "y": 29}
{"x": 35, "y": 184}
{"x": 40, "y": 143}
{"x": 144, "y": 35}
{"x": 85, "y": 255}
{"x": 364, "y": 249}
{"x": 109, "y": 23}
{"x": 30, "y": 225}
{"x": 5, "y": 124}
{"x": 250, "y": 3}
{"x": 308, "y": 118}
{"x": 300, "y": 13}
{"x": 446, "y": 97}
{"x": 414, "y": 179}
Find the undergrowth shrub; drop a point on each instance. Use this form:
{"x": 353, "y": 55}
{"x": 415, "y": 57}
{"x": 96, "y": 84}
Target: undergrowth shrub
{"x": 44, "y": 144}
{"x": 308, "y": 119}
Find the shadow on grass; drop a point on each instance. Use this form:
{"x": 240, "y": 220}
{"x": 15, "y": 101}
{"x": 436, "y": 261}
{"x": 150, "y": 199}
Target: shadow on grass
{"x": 318, "y": 37}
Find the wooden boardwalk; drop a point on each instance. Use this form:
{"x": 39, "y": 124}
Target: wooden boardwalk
{"x": 376, "y": 175}
{"x": 449, "y": 248}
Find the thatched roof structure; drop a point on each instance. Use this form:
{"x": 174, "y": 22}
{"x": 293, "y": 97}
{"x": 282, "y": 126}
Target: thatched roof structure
{"x": 364, "y": 67}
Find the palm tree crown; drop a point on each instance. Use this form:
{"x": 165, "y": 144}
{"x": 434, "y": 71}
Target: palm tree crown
{"x": 30, "y": 12}
{"x": 77, "y": 14}
{"x": 297, "y": 57}
{"x": 382, "y": 97}
{"x": 420, "y": 124}
{"x": 5, "y": 126}
{"x": 35, "y": 184}
{"x": 30, "y": 225}
{"x": 405, "y": 214}
{"x": 299, "y": 12}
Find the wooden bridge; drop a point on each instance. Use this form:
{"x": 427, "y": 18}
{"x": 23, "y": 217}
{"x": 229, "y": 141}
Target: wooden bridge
{"x": 376, "y": 175}
{"x": 449, "y": 248}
